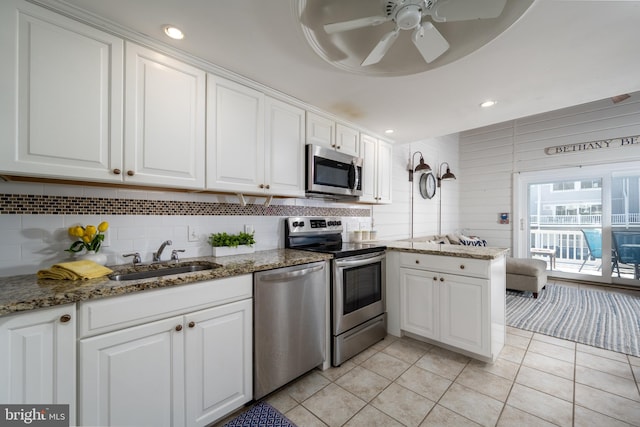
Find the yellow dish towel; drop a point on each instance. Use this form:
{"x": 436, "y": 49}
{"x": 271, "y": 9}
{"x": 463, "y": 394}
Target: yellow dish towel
{"x": 75, "y": 270}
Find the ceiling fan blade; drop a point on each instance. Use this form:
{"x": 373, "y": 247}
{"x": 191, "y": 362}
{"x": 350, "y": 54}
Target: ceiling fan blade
{"x": 463, "y": 10}
{"x": 429, "y": 42}
{"x": 381, "y": 48}
{"x": 369, "y": 21}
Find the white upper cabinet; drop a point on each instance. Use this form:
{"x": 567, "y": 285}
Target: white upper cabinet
{"x": 327, "y": 133}
{"x": 321, "y": 131}
{"x": 165, "y": 120}
{"x": 284, "y": 148}
{"x": 255, "y": 144}
{"x": 376, "y": 175}
{"x": 61, "y": 108}
{"x": 235, "y": 136}
{"x": 347, "y": 140}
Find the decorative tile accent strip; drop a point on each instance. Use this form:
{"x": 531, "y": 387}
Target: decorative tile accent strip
{"x": 29, "y": 204}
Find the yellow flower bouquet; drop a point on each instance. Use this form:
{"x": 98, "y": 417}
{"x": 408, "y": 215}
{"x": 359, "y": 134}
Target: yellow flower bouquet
{"x": 89, "y": 237}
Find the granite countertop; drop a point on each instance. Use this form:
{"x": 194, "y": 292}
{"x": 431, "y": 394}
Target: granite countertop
{"x": 27, "y": 292}
{"x": 461, "y": 251}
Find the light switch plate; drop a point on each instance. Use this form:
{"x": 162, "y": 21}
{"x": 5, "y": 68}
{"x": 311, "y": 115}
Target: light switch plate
{"x": 193, "y": 233}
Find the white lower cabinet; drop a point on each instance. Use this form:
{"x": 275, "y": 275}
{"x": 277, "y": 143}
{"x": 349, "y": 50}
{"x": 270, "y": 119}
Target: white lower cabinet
{"x": 464, "y": 310}
{"x": 38, "y": 357}
{"x": 188, "y": 370}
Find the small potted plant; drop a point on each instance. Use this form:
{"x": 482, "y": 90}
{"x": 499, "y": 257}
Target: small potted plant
{"x": 232, "y": 244}
{"x": 89, "y": 239}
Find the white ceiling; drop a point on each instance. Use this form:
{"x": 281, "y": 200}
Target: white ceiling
{"x": 560, "y": 53}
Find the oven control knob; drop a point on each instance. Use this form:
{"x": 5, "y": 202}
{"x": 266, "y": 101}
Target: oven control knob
{"x": 295, "y": 223}
{"x": 301, "y": 224}
{"x": 338, "y": 222}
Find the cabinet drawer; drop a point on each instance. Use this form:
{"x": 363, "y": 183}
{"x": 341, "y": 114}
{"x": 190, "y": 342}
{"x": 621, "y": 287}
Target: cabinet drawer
{"x": 447, "y": 264}
{"x": 110, "y": 314}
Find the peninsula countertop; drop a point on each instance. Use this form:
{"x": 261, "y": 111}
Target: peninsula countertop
{"x": 461, "y": 251}
{"x": 28, "y": 292}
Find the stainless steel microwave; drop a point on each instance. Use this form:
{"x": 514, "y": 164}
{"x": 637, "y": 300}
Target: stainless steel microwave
{"x": 332, "y": 173}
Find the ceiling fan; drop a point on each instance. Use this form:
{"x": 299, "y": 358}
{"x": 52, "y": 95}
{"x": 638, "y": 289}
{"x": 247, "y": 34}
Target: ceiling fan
{"x": 410, "y": 15}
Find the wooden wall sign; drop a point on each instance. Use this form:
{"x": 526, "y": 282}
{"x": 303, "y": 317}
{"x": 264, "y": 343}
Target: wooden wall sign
{"x": 594, "y": 145}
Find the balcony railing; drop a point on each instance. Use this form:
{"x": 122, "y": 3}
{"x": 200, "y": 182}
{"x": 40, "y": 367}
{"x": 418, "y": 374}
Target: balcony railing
{"x": 571, "y": 220}
{"x": 571, "y": 249}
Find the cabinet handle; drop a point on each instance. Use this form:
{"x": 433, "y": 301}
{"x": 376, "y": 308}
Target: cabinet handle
{"x": 261, "y": 186}
{"x": 461, "y": 266}
{"x": 178, "y": 328}
{"x": 65, "y": 318}
{"x": 417, "y": 261}
{"x": 442, "y": 279}
{"x": 435, "y": 278}
{"x": 130, "y": 173}
{"x": 117, "y": 171}
{"x": 267, "y": 186}
{"x": 338, "y": 147}
{"x": 192, "y": 324}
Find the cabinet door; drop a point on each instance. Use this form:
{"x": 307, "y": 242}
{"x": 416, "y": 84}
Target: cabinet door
{"x": 464, "y": 316}
{"x": 61, "y": 104}
{"x": 218, "y": 361}
{"x": 384, "y": 171}
{"x": 321, "y": 131}
{"x": 284, "y": 148}
{"x": 165, "y": 120}
{"x": 419, "y": 302}
{"x": 38, "y": 357}
{"x": 134, "y": 376}
{"x": 368, "y": 147}
{"x": 347, "y": 140}
{"x": 235, "y": 137}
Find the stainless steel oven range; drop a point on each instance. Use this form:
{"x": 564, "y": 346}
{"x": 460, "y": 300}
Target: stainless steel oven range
{"x": 358, "y": 317}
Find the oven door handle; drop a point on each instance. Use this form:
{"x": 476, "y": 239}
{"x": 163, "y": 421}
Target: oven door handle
{"x": 290, "y": 275}
{"x": 360, "y": 260}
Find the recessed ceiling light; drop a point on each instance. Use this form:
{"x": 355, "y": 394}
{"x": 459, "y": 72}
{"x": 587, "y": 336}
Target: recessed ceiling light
{"x": 488, "y": 103}
{"x": 389, "y": 131}
{"x": 173, "y": 32}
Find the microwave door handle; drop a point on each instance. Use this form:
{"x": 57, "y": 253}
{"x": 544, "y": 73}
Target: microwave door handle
{"x": 353, "y": 183}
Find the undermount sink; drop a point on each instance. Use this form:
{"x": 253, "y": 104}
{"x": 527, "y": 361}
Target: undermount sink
{"x": 159, "y": 270}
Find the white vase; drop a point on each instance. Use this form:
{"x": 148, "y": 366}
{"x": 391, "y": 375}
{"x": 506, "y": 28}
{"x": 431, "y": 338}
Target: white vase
{"x": 93, "y": 256}
{"x": 228, "y": 250}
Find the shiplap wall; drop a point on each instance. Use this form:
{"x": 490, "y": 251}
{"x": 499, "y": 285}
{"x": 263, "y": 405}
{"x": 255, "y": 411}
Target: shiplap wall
{"x": 394, "y": 221}
{"x": 490, "y": 156}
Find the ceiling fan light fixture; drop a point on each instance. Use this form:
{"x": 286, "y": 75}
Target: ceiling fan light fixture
{"x": 173, "y": 32}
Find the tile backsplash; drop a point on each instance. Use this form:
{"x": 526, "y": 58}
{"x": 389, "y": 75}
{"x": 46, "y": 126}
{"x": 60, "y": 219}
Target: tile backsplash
{"x": 34, "y": 219}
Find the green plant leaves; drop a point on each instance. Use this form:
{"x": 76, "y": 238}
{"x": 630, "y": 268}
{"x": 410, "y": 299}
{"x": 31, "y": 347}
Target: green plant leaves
{"x": 232, "y": 240}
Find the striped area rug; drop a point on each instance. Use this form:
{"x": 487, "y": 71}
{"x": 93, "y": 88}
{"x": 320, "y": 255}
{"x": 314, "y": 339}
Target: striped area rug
{"x": 602, "y": 319}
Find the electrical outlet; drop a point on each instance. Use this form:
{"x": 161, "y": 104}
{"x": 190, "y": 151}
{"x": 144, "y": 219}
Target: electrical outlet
{"x": 193, "y": 233}
{"x": 248, "y": 228}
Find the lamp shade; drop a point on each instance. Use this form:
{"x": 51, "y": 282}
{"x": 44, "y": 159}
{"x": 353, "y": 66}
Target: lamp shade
{"x": 422, "y": 166}
{"x": 448, "y": 175}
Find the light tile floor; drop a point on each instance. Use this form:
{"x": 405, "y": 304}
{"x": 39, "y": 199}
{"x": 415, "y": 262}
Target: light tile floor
{"x": 537, "y": 380}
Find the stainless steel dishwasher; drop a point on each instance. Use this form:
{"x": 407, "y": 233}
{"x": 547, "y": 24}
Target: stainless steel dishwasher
{"x": 289, "y": 330}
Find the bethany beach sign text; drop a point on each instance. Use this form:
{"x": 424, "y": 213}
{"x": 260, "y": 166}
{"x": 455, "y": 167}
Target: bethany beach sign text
{"x": 594, "y": 145}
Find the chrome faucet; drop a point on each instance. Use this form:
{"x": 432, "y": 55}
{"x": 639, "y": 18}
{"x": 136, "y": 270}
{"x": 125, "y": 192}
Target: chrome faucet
{"x": 156, "y": 255}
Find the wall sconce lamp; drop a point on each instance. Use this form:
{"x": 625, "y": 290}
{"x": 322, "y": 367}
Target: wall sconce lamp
{"x": 446, "y": 175}
{"x": 422, "y": 166}
{"x": 441, "y": 177}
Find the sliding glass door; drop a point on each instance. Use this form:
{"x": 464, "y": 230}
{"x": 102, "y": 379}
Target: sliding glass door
{"x": 584, "y": 222}
{"x": 625, "y": 224}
